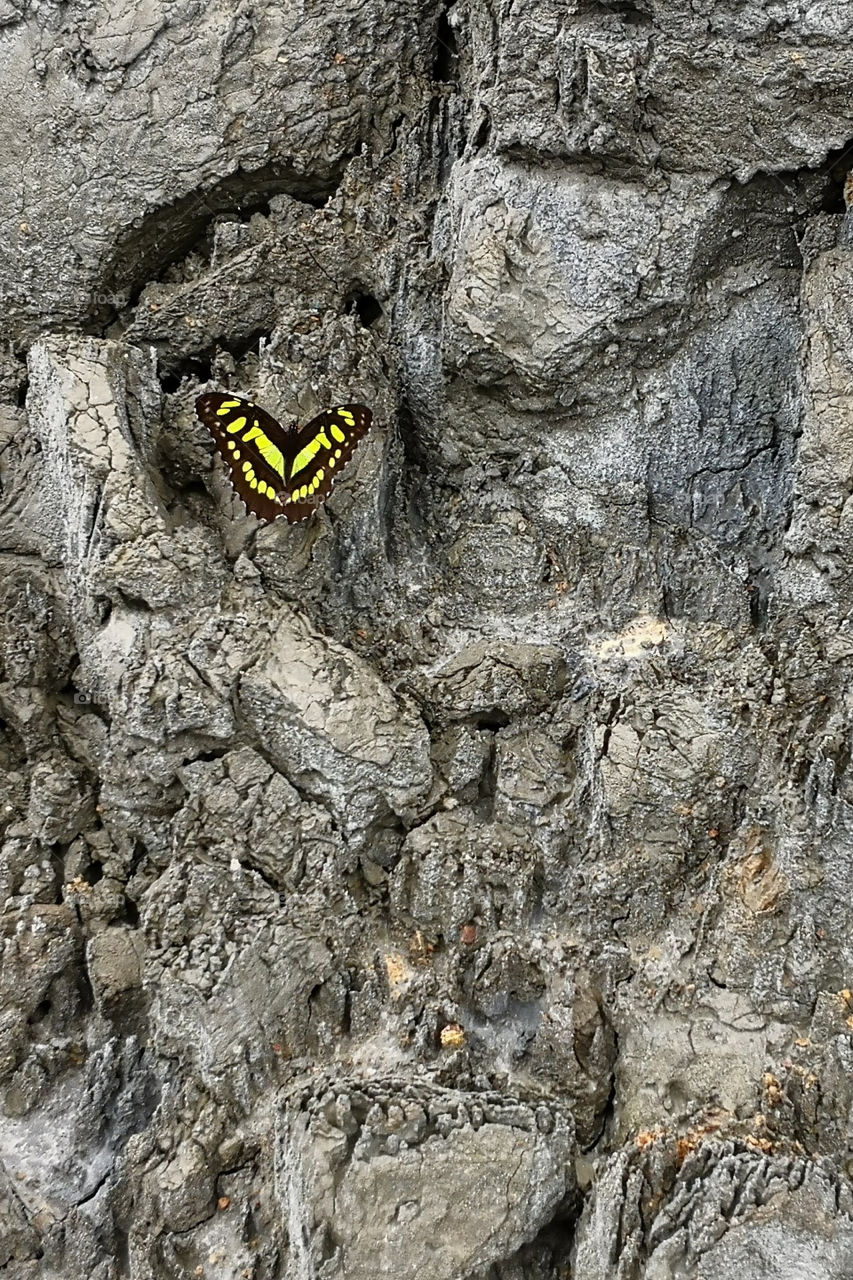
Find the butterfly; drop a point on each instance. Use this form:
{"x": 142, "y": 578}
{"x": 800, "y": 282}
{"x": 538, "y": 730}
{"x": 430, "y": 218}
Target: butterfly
{"x": 276, "y": 470}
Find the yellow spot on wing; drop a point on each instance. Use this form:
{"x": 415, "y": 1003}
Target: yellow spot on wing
{"x": 231, "y": 444}
{"x": 237, "y": 425}
{"x": 331, "y": 462}
{"x": 236, "y": 453}
{"x": 225, "y": 406}
{"x": 337, "y": 433}
{"x": 251, "y": 433}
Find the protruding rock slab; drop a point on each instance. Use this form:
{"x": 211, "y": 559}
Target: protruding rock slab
{"x": 415, "y": 1182}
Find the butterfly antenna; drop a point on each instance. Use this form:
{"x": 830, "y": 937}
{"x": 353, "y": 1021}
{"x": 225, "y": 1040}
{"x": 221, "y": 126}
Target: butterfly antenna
{"x": 94, "y": 532}
{"x": 320, "y": 267}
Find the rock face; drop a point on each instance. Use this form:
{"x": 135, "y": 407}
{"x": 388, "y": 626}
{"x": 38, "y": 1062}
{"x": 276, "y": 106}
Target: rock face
{"x": 457, "y": 886}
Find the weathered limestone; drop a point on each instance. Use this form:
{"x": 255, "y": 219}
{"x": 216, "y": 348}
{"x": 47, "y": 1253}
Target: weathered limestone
{"x": 456, "y": 886}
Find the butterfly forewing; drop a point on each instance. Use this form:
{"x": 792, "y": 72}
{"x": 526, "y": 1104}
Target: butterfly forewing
{"x": 277, "y": 470}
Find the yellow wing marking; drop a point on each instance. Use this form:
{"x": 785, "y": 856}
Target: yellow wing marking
{"x": 339, "y": 435}
{"x": 237, "y": 425}
{"x": 304, "y": 456}
{"x": 226, "y": 407}
{"x": 266, "y": 448}
{"x": 271, "y": 455}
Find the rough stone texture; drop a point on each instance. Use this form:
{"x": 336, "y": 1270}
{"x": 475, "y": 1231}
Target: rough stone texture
{"x": 442, "y": 1181}
{"x": 704, "y": 1211}
{"x": 457, "y": 886}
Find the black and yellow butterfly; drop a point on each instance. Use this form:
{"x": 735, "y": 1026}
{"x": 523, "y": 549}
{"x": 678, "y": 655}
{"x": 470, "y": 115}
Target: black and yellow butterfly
{"x": 276, "y": 470}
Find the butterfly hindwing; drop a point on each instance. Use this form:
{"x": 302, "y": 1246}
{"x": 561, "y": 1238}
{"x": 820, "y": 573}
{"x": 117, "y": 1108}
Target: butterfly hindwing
{"x": 277, "y": 470}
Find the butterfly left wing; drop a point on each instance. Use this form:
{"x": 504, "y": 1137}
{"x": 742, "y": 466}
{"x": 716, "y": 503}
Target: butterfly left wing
{"x": 317, "y": 455}
{"x": 253, "y": 446}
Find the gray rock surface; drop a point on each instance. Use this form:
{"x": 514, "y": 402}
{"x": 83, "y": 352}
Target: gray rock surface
{"x": 457, "y": 886}
{"x": 395, "y": 1179}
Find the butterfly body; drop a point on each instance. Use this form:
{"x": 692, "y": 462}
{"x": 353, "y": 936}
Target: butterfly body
{"x": 277, "y": 470}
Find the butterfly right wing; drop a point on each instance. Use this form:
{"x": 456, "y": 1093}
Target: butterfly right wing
{"x": 317, "y": 455}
